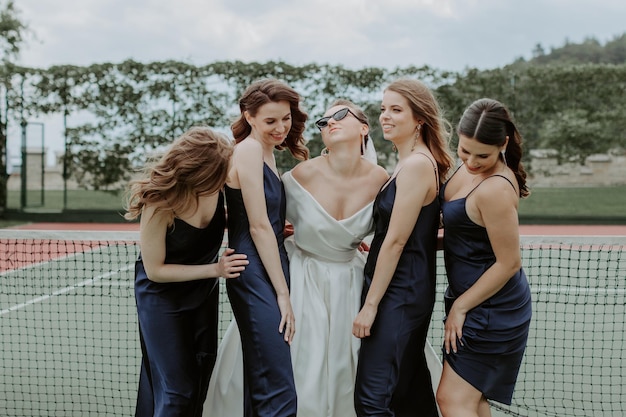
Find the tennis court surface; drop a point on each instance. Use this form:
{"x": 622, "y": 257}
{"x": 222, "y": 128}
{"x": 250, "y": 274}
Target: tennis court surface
{"x": 70, "y": 346}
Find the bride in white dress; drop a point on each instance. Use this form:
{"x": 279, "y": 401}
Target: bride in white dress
{"x": 329, "y": 203}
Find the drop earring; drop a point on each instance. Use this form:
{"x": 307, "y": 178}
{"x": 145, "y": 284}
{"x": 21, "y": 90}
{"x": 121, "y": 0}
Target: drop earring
{"x": 417, "y": 135}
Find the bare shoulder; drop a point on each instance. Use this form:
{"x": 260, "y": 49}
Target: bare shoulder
{"x": 248, "y": 147}
{"x": 304, "y": 171}
{"x": 247, "y": 162}
{"x": 416, "y": 165}
{"x": 376, "y": 173}
{"x": 497, "y": 191}
{"x": 152, "y": 217}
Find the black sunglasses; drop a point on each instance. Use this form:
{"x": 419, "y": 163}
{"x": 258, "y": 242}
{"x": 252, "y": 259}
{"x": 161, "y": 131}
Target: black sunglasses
{"x": 338, "y": 115}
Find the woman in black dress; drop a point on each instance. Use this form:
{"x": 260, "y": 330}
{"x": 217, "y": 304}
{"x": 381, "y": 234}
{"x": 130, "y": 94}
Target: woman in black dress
{"x": 270, "y": 119}
{"x": 399, "y": 289}
{"x": 488, "y": 302}
{"x": 181, "y": 205}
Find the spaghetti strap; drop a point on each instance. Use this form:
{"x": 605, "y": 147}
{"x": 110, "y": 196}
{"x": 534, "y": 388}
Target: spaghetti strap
{"x": 491, "y": 176}
{"x": 396, "y": 174}
{"x": 455, "y": 171}
{"x": 435, "y": 168}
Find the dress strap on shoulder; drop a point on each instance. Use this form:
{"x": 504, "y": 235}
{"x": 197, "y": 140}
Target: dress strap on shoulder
{"x": 491, "y": 176}
{"x": 455, "y": 171}
{"x": 508, "y": 180}
{"x": 434, "y": 167}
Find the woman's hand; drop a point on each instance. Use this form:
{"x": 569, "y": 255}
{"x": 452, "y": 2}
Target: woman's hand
{"x": 287, "y": 324}
{"x": 288, "y": 230}
{"x": 362, "y": 325}
{"x": 453, "y": 329}
{"x": 231, "y": 264}
{"x": 364, "y": 247}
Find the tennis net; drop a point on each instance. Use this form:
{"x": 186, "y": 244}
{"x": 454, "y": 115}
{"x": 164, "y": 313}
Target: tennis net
{"x": 69, "y": 341}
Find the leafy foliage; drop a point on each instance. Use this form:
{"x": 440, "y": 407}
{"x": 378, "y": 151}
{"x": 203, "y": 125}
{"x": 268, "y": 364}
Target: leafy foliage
{"x": 590, "y": 51}
{"x": 130, "y": 110}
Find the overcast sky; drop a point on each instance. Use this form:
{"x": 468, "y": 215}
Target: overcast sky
{"x": 444, "y": 34}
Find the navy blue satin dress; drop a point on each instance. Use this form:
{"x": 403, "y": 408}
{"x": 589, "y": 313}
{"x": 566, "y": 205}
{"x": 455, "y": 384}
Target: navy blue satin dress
{"x": 392, "y": 375}
{"x": 269, "y": 388}
{"x": 495, "y": 332}
{"x": 178, "y": 324}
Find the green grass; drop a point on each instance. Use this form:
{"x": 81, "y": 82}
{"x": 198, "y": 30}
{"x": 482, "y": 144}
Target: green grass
{"x": 587, "y": 202}
{"x": 76, "y": 200}
{"x": 548, "y": 205}
{"x": 9, "y": 223}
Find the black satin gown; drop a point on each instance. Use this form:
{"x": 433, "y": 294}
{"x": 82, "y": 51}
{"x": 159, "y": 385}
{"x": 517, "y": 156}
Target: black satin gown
{"x": 178, "y": 324}
{"x": 495, "y": 332}
{"x": 392, "y": 375}
{"x": 269, "y": 388}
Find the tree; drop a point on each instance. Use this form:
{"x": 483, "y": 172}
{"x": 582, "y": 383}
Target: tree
{"x": 12, "y": 33}
{"x": 573, "y": 135}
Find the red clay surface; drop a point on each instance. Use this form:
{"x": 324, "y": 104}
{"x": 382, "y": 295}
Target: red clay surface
{"x": 20, "y": 253}
{"x": 79, "y": 226}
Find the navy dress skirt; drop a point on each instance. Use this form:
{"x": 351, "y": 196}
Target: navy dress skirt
{"x": 495, "y": 332}
{"x": 392, "y": 375}
{"x": 178, "y": 324}
{"x": 269, "y": 388}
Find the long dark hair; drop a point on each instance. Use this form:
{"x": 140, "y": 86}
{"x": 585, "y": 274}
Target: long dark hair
{"x": 489, "y": 121}
{"x": 271, "y": 90}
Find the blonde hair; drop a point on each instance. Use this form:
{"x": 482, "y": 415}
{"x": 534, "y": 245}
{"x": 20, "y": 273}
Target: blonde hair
{"x": 196, "y": 163}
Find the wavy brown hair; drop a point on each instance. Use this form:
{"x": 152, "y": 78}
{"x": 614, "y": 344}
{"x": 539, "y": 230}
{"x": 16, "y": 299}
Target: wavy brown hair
{"x": 490, "y": 122}
{"x": 271, "y": 90}
{"x": 196, "y": 163}
{"x": 436, "y": 130}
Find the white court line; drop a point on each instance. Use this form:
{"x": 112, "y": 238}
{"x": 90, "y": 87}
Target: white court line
{"x": 65, "y": 290}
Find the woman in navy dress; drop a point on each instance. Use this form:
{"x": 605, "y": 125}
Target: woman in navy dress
{"x": 270, "y": 119}
{"x": 488, "y": 303}
{"x": 399, "y": 290}
{"x": 181, "y": 231}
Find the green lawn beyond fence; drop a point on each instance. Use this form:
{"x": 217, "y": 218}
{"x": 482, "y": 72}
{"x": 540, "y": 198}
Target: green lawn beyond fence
{"x": 544, "y": 205}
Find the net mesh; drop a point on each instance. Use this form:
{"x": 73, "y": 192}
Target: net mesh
{"x": 70, "y": 345}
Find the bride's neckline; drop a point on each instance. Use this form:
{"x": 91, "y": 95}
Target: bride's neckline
{"x": 322, "y": 208}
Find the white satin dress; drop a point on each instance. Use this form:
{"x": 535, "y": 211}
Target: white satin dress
{"x": 326, "y": 271}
